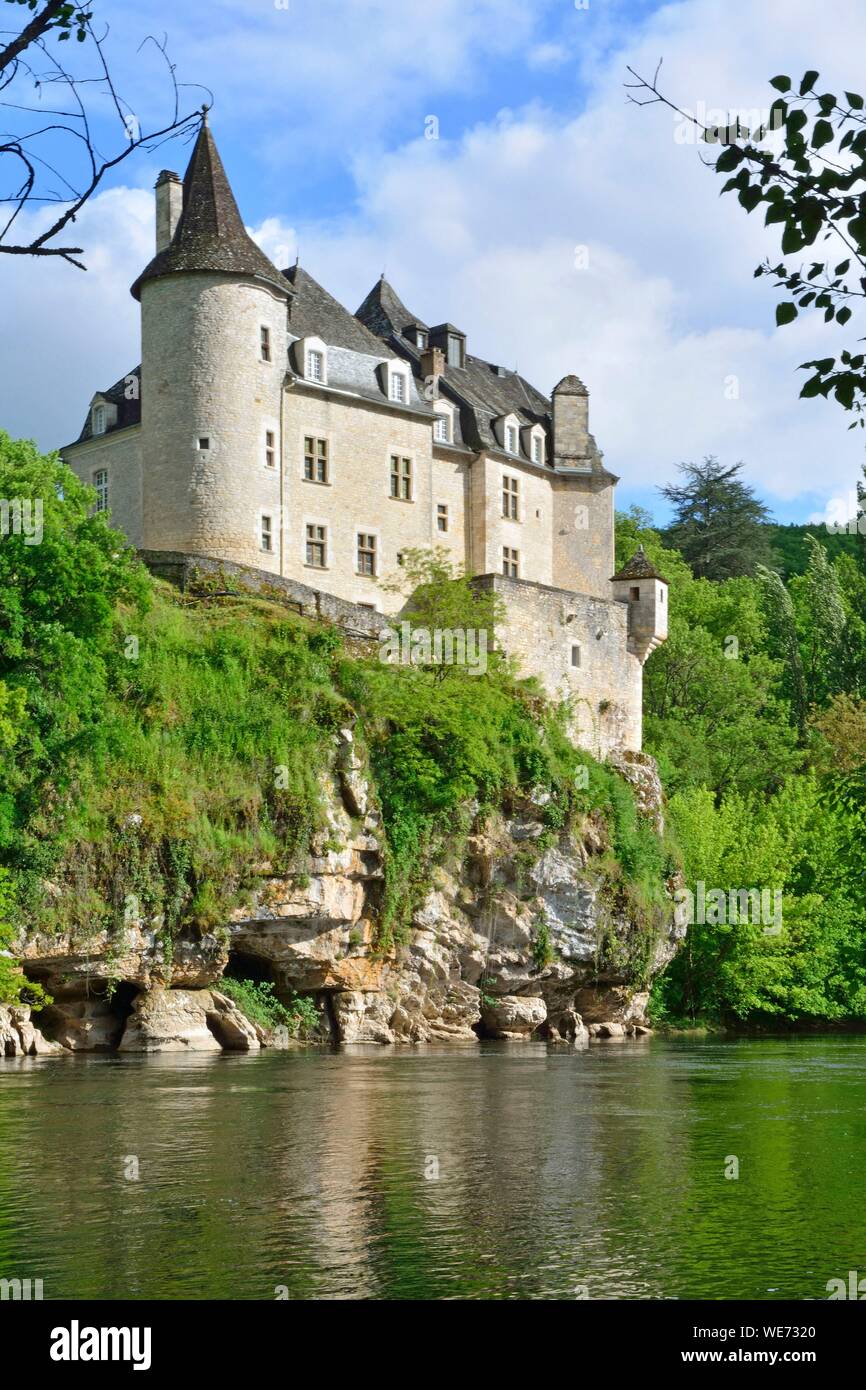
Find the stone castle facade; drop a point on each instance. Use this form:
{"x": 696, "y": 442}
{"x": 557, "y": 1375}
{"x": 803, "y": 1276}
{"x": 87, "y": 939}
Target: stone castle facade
{"x": 270, "y": 427}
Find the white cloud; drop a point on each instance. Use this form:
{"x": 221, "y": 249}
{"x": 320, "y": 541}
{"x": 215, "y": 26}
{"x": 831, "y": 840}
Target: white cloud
{"x": 666, "y": 324}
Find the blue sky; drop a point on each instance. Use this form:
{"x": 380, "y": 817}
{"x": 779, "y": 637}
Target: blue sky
{"x": 562, "y": 228}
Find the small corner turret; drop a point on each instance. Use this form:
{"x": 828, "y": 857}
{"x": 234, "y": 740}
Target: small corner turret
{"x": 639, "y": 585}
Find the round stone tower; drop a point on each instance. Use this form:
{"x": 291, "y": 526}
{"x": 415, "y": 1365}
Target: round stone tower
{"x": 214, "y": 356}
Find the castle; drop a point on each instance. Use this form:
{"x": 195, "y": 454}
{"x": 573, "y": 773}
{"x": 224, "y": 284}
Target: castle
{"x": 269, "y": 427}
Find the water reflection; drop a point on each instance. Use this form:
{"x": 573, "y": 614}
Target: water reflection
{"x": 315, "y": 1170}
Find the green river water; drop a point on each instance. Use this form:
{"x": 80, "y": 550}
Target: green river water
{"x": 314, "y": 1171}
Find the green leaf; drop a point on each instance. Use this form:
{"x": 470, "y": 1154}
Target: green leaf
{"x": 822, "y": 134}
{"x": 842, "y": 268}
{"x": 843, "y": 314}
{"x": 729, "y": 159}
{"x": 785, "y": 313}
{"x": 750, "y": 198}
{"x": 854, "y": 101}
{"x": 781, "y": 84}
{"x": 809, "y": 80}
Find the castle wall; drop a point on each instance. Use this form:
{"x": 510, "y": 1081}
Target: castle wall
{"x": 120, "y": 455}
{"x": 583, "y": 533}
{"x": 541, "y": 627}
{"x": 361, "y": 440}
{"x": 203, "y": 378}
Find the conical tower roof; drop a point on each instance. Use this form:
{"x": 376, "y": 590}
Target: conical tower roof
{"x": 639, "y": 567}
{"x": 210, "y": 234}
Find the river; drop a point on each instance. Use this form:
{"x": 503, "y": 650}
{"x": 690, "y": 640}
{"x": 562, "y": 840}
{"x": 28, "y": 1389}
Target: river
{"x": 491, "y": 1171}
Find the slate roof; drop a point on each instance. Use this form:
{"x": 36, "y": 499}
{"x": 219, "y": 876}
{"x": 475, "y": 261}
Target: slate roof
{"x": 639, "y": 567}
{"x": 210, "y": 234}
{"x": 484, "y": 390}
{"x": 128, "y": 411}
{"x": 315, "y": 313}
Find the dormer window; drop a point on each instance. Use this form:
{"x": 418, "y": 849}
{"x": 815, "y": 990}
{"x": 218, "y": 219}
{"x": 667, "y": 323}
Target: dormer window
{"x": 99, "y": 419}
{"x": 538, "y": 448}
{"x": 310, "y": 359}
{"x": 398, "y": 387}
{"x": 443, "y": 425}
{"x": 511, "y": 437}
{"x": 456, "y": 350}
{"x": 421, "y": 338}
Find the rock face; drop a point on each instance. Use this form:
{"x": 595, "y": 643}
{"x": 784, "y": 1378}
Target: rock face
{"x": 521, "y": 935}
{"x": 19, "y": 1037}
{"x": 186, "y": 1020}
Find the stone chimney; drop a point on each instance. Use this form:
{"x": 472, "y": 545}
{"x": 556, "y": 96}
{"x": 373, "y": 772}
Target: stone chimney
{"x": 571, "y": 423}
{"x": 169, "y": 202}
{"x": 432, "y": 367}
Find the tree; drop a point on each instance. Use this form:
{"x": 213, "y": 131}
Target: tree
{"x": 62, "y": 569}
{"x": 60, "y": 159}
{"x": 718, "y": 521}
{"x": 813, "y": 186}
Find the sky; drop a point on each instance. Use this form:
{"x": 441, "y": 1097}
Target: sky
{"x": 484, "y": 154}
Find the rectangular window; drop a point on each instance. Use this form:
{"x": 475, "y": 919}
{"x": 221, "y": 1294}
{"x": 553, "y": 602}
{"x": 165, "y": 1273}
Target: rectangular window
{"x": 203, "y": 443}
{"x": 511, "y": 439}
{"x": 270, "y": 449}
{"x": 401, "y": 478}
{"x": 100, "y": 482}
{"x": 266, "y": 343}
{"x": 366, "y": 553}
{"x": 315, "y": 365}
{"x": 538, "y": 449}
{"x": 267, "y": 535}
{"x": 510, "y": 562}
{"x": 575, "y": 654}
{"x": 441, "y": 517}
{"x": 441, "y": 429}
{"x": 398, "y": 387}
{"x": 99, "y": 419}
{"x": 509, "y": 498}
{"x": 315, "y": 460}
{"x": 421, "y": 338}
{"x": 316, "y": 546}
{"x": 634, "y": 594}
{"x": 455, "y": 350}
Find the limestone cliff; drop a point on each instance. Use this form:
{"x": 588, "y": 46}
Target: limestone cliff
{"x": 522, "y": 933}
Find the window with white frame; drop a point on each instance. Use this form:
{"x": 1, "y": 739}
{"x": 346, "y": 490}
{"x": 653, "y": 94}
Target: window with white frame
{"x": 366, "y": 553}
{"x": 315, "y": 364}
{"x": 98, "y": 419}
{"x": 538, "y": 448}
{"x": 316, "y": 545}
{"x": 442, "y": 428}
{"x": 511, "y": 439}
{"x": 267, "y": 535}
{"x": 316, "y": 460}
{"x": 510, "y": 562}
{"x": 270, "y": 449}
{"x": 398, "y": 387}
{"x": 100, "y": 482}
{"x": 401, "y": 478}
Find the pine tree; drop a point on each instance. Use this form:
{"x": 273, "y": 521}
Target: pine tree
{"x": 719, "y": 524}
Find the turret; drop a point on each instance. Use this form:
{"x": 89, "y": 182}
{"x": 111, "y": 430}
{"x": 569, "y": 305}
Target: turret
{"x": 640, "y": 585}
{"x": 214, "y": 354}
